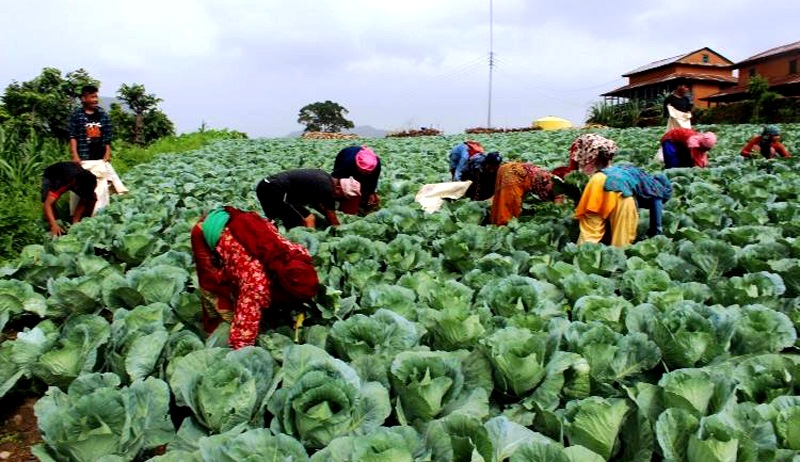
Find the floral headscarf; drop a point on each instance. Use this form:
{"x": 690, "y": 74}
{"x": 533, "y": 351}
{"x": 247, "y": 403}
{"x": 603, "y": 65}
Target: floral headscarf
{"x": 586, "y": 148}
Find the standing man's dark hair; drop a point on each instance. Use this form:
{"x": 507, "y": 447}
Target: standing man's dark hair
{"x": 88, "y": 89}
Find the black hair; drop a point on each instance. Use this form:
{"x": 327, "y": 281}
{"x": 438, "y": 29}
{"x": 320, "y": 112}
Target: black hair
{"x": 604, "y": 155}
{"x": 494, "y": 158}
{"x": 88, "y": 89}
{"x": 85, "y": 184}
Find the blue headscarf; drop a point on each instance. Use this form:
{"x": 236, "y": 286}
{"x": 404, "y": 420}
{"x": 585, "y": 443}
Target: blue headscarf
{"x": 633, "y": 181}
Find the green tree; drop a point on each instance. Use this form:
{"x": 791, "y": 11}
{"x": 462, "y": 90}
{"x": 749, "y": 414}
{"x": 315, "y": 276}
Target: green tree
{"x": 45, "y": 102}
{"x": 149, "y": 123}
{"x": 155, "y": 124}
{"x": 758, "y": 91}
{"x": 122, "y": 121}
{"x": 324, "y": 117}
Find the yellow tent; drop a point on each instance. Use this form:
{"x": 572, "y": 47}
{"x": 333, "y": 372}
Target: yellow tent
{"x": 552, "y": 123}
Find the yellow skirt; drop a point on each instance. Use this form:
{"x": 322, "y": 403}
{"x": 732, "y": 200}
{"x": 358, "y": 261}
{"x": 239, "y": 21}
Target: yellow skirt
{"x": 623, "y": 220}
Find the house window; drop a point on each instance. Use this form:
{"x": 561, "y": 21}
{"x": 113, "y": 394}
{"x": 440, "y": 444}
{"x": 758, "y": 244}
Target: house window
{"x": 752, "y": 72}
{"x": 793, "y": 66}
{"x": 705, "y": 58}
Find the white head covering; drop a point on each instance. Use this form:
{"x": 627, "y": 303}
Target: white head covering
{"x": 350, "y": 187}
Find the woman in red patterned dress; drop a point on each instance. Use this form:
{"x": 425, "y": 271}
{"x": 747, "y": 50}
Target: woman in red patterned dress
{"x": 244, "y": 266}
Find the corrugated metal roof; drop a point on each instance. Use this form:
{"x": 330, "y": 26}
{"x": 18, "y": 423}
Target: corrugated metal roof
{"x": 771, "y": 52}
{"x": 667, "y": 78}
{"x": 655, "y": 64}
{"x": 675, "y": 59}
{"x": 739, "y": 89}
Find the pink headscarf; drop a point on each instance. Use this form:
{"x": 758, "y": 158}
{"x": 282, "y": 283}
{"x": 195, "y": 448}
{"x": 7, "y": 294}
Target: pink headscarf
{"x": 350, "y": 187}
{"x": 705, "y": 140}
{"x": 366, "y": 160}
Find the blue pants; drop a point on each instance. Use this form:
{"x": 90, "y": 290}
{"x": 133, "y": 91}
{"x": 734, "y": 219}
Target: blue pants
{"x": 656, "y": 208}
{"x": 676, "y": 155}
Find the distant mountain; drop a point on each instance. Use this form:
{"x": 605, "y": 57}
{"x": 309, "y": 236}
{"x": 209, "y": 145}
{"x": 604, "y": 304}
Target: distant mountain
{"x": 368, "y": 131}
{"x": 364, "y": 131}
{"x": 107, "y": 101}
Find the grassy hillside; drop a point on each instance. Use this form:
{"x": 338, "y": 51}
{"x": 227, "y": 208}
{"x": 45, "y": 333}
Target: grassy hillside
{"x": 22, "y": 164}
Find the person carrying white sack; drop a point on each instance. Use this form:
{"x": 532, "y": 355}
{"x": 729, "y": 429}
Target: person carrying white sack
{"x": 90, "y": 146}
{"x": 107, "y": 179}
{"x": 678, "y": 108}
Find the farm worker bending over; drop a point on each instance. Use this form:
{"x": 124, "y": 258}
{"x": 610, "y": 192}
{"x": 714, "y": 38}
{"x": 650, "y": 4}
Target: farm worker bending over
{"x": 768, "y": 144}
{"x": 678, "y": 108}
{"x": 284, "y": 196}
{"x": 584, "y": 151}
{"x": 684, "y": 147}
{"x": 60, "y": 178}
{"x": 363, "y": 165}
{"x": 612, "y": 195}
{"x": 245, "y": 266}
{"x": 460, "y": 154}
{"x": 514, "y": 181}
{"x": 481, "y": 170}
{"x": 90, "y": 146}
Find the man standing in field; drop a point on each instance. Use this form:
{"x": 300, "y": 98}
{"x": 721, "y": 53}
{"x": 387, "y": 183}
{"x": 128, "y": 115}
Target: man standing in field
{"x": 90, "y": 146}
{"x": 678, "y": 108}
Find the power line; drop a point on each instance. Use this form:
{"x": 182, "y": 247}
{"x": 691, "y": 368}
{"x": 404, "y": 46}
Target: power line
{"x": 491, "y": 62}
{"x": 554, "y": 95}
{"x": 503, "y": 63}
{"x": 456, "y": 73}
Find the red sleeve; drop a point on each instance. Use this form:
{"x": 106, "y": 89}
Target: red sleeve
{"x": 57, "y": 193}
{"x": 700, "y": 158}
{"x": 748, "y": 148}
{"x": 209, "y": 276}
{"x": 781, "y": 149}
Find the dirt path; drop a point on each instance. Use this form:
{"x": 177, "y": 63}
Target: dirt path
{"x": 18, "y": 430}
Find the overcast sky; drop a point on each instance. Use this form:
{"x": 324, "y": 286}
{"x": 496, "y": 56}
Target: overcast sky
{"x": 251, "y": 65}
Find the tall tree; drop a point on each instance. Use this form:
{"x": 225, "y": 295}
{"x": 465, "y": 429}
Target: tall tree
{"x": 141, "y": 103}
{"x": 44, "y": 102}
{"x": 155, "y": 124}
{"x": 759, "y": 92}
{"x": 324, "y": 116}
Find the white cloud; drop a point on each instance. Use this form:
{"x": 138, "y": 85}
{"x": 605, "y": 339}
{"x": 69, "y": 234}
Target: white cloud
{"x": 251, "y": 64}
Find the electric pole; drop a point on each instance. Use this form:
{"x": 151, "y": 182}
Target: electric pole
{"x": 491, "y": 64}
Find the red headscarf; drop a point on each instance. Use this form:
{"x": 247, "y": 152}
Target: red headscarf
{"x": 473, "y": 147}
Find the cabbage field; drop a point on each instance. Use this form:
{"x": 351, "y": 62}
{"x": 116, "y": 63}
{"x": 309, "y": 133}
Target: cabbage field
{"x": 437, "y": 338}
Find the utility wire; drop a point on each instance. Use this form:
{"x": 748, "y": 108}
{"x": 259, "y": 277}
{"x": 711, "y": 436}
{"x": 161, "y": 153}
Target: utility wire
{"x": 423, "y": 86}
{"x": 545, "y": 92}
{"x": 504, "y": 63}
